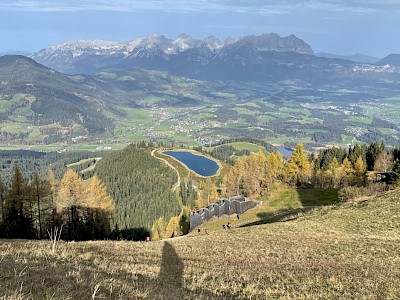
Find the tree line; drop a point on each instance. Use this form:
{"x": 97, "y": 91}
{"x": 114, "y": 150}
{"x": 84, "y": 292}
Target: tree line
{"x": 339, "y": 168}
{"x": 30, "y": 208}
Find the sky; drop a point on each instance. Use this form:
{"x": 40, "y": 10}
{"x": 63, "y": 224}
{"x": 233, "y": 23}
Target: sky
{"x": 343, "y": 27}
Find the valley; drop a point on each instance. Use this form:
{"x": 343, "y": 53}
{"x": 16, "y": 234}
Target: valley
{"x": 226, "y": 162}
{"x": 195, "y": 93}
{"x": 284, "y": 113}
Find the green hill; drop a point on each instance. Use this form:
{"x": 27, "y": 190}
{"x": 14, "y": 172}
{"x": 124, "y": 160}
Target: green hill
{"x": 35, "y": 97}
{"x": 349, "y": 251}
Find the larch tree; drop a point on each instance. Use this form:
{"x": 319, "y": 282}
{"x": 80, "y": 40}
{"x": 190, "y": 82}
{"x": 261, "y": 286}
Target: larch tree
{"x": 347, "y": 172}
{"x": 274, "y": 167}
{"x": 384, "y": 162}
{"x": 97, "y": 197}
{"x": 71, "y": 198}
{"x": 99, "y": 206}
{"x": 334, "y": 173}
{"x": 214, "y": 196}
{"x": 360, "y": 170}
{"x": 172, "y": 228}
{"x": 234, "y": 177}
{"x": 298, "y": 168}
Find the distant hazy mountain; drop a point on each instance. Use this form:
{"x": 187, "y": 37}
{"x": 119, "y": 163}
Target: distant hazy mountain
{"x": 267, "y": 57}
{"x": 14, "y": 52}
{"x": 358, "y": 57}
{"x": 92, "y": 56}
{"x": 392, "y": 59}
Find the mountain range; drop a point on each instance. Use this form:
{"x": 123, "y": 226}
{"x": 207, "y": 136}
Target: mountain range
{"x": 82, "y": 88}
{"x": 157, "y": 51}
{"x": 267, "y": 57}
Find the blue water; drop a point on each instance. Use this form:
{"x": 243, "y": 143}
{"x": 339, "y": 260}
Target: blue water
{"x": 285, "y": 152}
{"x": 198, "y": 164}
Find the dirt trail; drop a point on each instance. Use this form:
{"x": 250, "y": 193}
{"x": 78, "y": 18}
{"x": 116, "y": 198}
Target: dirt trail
{"x": 171, "y": 166}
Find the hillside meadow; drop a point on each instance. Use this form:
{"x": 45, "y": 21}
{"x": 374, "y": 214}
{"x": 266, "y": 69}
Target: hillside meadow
{"x": 346, "y": 251}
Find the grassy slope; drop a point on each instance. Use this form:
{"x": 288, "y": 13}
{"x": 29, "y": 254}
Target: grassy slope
{"x": 344, "y": 252}
{"x": 280, "y": 200}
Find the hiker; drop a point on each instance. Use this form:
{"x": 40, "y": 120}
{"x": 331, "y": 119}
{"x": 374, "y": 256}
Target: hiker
{"x": 147, "y": 239}
{"x": 223, "y": 226}
{"x": 198, "y": 230}
{"x": 238, "y": 216}
{"x": 228, "y": 225}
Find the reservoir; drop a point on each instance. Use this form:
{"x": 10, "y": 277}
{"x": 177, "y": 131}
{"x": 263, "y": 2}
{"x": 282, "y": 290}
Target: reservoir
{"x": 285, "y": 152}
{"x": 198, "y": 164}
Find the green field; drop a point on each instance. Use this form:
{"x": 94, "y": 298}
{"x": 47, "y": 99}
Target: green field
{"x": 208, "y": 112}
{"x": 248, "y": 146}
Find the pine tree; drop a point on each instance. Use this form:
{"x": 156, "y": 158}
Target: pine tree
{"x": 373, "y": 151}
{"x": 2, "y": 199}
{"x": 40, "y": 189}
{"x": 54, "y": 186}
{"x": 18, "y": 222}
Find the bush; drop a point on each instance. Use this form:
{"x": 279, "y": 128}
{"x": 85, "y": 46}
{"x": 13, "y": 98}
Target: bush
{"x": 354, "y": 192}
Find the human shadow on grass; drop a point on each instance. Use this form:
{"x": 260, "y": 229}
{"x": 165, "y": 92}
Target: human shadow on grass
{"x": 170, "y": 283}
{"x": 44, "y": 281}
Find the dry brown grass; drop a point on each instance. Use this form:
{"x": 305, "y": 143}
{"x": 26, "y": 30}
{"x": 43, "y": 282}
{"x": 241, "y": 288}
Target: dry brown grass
{"x": 345, "y": 252}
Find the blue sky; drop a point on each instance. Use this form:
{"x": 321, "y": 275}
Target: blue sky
{"x": 335, "y": 26}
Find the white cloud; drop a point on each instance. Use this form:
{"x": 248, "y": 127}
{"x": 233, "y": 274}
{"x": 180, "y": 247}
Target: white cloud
{"x": 264, "y": 7}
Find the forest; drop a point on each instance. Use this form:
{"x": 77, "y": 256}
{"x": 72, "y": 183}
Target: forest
{"x": 128, "y": 193}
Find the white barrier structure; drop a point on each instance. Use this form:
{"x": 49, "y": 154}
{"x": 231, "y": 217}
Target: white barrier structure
{"x": 236, "y": 204}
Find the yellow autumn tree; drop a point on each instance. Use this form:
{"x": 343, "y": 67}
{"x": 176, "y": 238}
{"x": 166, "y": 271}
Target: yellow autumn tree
{"x": 99, "y": 206}
{"x": 210, "y": 191}
{"x": 70, "y": 193}
{"x": 333, "y": 173}
{"x": 347, "y": 172}
{"x": 274, "y": 167}
{"x": 154, "y": 233}
{"x": 96, "y": 196}
{"x": 298, "y": 167}
{"x": 234, "y": 177}
{"x": 214, "y": 196}
{"x": 384, "y": 162}
{"x": 253, "y": 173}
{"x": 70, "y": 198}
{"x": 158, "y": 229}
{"x": 172, "y": 228}
{"x": 360, "y": 170}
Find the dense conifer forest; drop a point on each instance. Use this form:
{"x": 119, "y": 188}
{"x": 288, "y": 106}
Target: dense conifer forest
{"x": 141, "y": 187}
{"x": 129, "y": 193}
